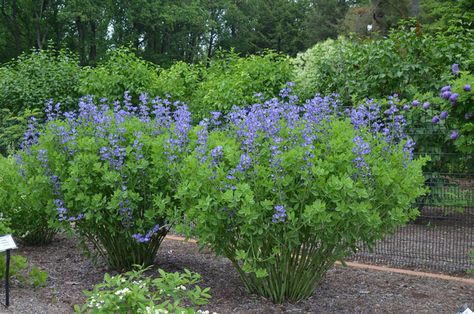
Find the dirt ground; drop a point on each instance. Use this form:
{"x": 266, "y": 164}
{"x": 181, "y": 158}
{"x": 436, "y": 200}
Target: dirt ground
{"x": 344, "y": 290}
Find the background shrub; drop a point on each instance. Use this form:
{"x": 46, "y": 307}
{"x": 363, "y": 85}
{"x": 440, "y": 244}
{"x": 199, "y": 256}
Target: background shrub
{"x": 34, "y": 78}
{"x": 407, "y": 62}
{"x": 231, "y": 81}
{"x": 121, "y": 71}
{"x": 226, "y": 81}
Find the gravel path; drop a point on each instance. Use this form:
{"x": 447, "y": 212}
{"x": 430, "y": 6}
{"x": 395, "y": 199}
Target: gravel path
{"x": 344, "y": 290}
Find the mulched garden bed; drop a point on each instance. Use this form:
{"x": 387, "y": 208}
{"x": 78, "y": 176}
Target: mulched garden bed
{"x": 344, "y": 290}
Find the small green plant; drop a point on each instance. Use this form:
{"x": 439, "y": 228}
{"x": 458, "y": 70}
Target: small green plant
{"x": 133, "y": 292}
{"x": 18, "y": 270}
{"x": 37, "y": 277}
{"x": 18, "y": 264}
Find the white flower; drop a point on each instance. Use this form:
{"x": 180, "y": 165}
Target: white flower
{"x": 122, "y": 292}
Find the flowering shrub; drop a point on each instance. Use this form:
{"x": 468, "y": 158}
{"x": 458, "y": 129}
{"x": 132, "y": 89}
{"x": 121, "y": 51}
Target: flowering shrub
{"x": 112, "y": 173}
{"x": 284, "y": 190}
{"x": 133, "y": 292}
{"x": 458, "y": 104}
{"x": 26, "y": 198}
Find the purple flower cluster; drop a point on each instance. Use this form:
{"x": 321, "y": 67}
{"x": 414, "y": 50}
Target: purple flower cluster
{"x": 62, "y": 210}
{"x": 455, "y": 69}
{"x": 280, "y": 214}
{"x": 30, "y": 137}
{"x": 217, "y": 153}
{"x": 447, "y": 94}
{"x": 179, "y": 139}
{"x": 201, "y": 146}
{"x": 147, "y": 237}
{"x": 361, "y": 149}
{"x": 391, "y": 125}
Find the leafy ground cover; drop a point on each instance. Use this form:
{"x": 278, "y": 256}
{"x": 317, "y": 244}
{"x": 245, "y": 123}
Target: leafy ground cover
{"x": 343, "y": 290}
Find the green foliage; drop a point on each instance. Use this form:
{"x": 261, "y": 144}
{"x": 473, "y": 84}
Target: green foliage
{"x": 444, "y": 14}
{"x": 232, "y": 81}
{"x": 112, "y": 177}
{"x": 121, "y": 71}
{"x": 180, "y": 81}
{"x": 13, "y": 126}
{"x": 28, "y": 83}
{"x": 407, "y": 62}
{"x": 18, "y": 270}
{"x": 4, "y": 225}
{"x": 18, "y": 264}
{"x": 26, "y": 199}
{"x": 133, "y": 292}
{"x": 37, "y": 277}
{"x": 34, "y": 78}
{"x": 331, "y": 208}
{"x": 227, "y": 81}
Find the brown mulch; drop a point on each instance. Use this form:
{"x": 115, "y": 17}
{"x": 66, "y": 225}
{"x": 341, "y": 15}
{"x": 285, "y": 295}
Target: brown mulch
{"x": 344, "y": 290}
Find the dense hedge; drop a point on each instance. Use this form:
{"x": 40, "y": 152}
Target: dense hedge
{"x": 407, "y": 62}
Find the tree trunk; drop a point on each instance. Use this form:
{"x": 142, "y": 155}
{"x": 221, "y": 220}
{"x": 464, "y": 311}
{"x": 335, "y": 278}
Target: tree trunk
{"x": 12, "y": 24}
{"x": 378, "y": 16}
{"x": 38, "y": 17}
{"x": 415, "y": 7}
{"x": 93, "y": 44}
{"x": 82, "y": 41}
{"x": 210, "y": 44}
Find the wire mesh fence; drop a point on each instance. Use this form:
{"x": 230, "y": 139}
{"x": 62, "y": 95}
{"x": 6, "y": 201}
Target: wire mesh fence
{"x": 442, "y": 237}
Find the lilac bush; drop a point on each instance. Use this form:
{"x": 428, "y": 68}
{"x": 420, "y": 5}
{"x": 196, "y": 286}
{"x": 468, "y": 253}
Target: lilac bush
{"x": 285, "y": 188}
{"x": 457, "y": 102}
{"x": 112, "y": 172}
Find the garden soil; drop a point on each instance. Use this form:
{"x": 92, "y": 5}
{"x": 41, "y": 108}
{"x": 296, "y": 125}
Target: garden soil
{"x": 343, "y": 290}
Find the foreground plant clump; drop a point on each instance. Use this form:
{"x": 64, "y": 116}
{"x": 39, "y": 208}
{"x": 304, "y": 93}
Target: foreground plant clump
{"x": 112, "y": 173}
{"x": 285, "y": 190}
{"x": 133, "y": 292}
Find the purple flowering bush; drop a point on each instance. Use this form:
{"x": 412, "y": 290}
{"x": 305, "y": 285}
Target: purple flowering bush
{"x": 285, "y": 189}
{"x": 112, "y": 173}
{"x": 26, "y": 198}
{"x": 458, "y": 103}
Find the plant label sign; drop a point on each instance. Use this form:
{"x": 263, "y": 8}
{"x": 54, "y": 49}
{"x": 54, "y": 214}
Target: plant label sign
{"x": 7, "y": 243}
